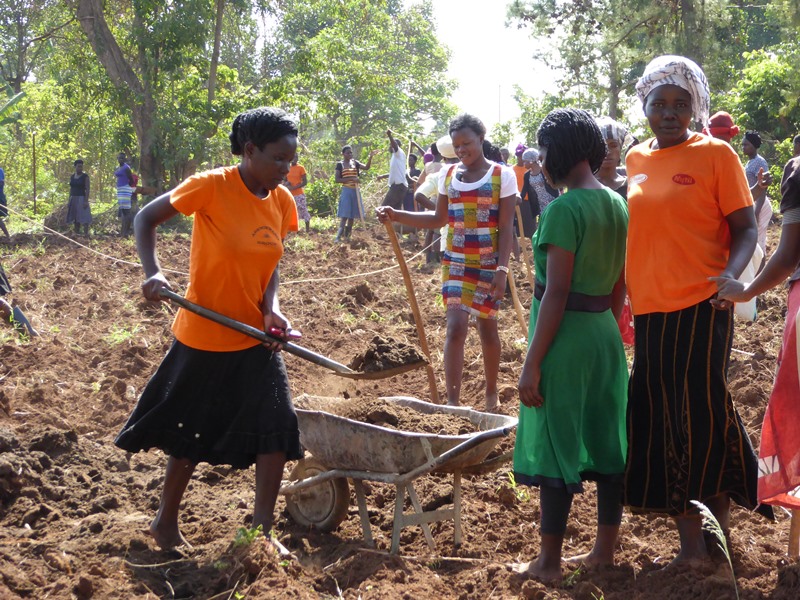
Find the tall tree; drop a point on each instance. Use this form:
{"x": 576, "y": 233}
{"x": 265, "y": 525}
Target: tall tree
{"x": 150, "y": 53}
{"x": 25, "y": 28}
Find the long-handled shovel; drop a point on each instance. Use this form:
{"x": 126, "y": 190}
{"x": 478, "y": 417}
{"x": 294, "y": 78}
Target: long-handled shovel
{"x": 290, "y": 347}
{"x": 412, "y": 300}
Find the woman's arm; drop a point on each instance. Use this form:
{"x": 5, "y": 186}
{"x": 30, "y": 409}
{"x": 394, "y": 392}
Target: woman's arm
{"x": 780, "y": 266}
{"x": 274, "y": 321}
{"x": 369, "y": 160}
{"x": 144, "y": 230}
{"x": 560, "y": 263}
{"x": 744, "y": 236}
{"x": 424, "y": 220}
{"x": 505, "y": 240}
{"x": 87, "y": 189}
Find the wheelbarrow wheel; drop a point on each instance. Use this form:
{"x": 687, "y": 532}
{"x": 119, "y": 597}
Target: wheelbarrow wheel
{"x": 322, "y": 506}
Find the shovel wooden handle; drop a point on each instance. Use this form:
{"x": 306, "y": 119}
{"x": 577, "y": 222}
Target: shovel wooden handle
{"x": 256, "y": 333}
{"x": 412, "y": 300}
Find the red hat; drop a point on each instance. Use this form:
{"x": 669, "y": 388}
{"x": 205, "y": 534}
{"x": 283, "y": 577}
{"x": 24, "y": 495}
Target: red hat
{"x": 721, "y": 123}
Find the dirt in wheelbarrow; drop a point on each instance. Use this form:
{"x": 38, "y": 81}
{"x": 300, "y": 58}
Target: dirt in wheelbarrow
{"x": 74, "y": 509}
{"x": 391, "y": 415}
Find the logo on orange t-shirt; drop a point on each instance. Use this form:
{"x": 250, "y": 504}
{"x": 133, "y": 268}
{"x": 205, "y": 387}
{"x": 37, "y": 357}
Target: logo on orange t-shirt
{"x": 683, "y": 179}
{"x": 639, "y": 178}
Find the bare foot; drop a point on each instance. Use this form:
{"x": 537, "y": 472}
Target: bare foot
{"x": 492, "y": 402}
{"x": 536, "y": 570}
{"x": 693, "y": 562}
{"x": 590, "y": 560}
{"x": 168, "y": 538}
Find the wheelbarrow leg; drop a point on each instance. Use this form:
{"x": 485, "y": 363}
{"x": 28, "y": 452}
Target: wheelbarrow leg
{"x": 398, "y": 518}
{"x": 412, "y": 493}
{"x": 362, "y": 512}
{"x": 457, "y": 508}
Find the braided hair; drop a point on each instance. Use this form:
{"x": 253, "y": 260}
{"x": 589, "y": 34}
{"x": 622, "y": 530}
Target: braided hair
{"x": 570, "y": 135}
{"x": 260, "y": 126}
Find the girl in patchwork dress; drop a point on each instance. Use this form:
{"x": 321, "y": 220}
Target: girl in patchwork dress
{"x": 476, "y": 199}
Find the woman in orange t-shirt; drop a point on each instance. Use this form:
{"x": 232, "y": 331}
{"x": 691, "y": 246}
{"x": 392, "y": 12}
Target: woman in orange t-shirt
{"x": 219, "y": 396}
{"x": 691, "y": 218}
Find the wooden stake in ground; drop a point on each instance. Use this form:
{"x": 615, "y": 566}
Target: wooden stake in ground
{"x": 794, "y": 534}
{"x": 412, "y": 300}
{"x": 528, "y": 259}
{"x": 517, "y": 303}
{"x": 360, "y": 201}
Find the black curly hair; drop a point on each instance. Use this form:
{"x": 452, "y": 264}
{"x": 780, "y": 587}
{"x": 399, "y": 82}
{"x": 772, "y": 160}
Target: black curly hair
{"x": 570, "y": 136}
{"x": 465, "y": 121}
{"x": 260, "y": 126}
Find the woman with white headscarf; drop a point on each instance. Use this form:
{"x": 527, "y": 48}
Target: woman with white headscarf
{"x": 610, "y": 173}
{"x": 691, "y": 219}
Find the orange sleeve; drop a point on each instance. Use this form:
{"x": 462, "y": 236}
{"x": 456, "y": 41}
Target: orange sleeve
{"x": 193, "y": 193}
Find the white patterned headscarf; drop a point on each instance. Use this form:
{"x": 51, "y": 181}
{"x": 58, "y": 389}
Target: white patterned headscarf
{"x": 611, "y": 129}
{"x": 680, "y": 71}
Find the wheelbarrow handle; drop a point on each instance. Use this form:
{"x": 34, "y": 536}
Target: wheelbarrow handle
{"x": 256, "y": 333}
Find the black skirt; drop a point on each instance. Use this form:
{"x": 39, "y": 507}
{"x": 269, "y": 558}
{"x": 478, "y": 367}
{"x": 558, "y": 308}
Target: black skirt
{"x": 215, "y": 407}
{"x": 685, "y": 438}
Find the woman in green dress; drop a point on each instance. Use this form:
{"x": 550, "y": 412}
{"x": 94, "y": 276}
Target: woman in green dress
{"x": 573, "y": 386}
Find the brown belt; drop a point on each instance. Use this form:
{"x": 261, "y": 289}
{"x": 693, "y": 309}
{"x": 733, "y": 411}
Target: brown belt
{"x": 579, "y": 302}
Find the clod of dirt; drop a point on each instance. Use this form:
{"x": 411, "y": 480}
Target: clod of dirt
{"x": 383, "y": 354}
{"x": 8, "y": 441}
{"x": 54, "y": 442}
{"x": 361, "y": 294}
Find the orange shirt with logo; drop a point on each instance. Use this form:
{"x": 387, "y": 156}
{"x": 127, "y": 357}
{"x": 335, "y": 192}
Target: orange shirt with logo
{"x": 678, "y": 198}
{"x": 237, "y": 241}
{"x": 295, "y": 177}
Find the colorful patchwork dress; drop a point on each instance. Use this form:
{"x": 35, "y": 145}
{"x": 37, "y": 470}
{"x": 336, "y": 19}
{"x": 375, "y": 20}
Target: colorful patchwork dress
{"x": 470, "y": 258}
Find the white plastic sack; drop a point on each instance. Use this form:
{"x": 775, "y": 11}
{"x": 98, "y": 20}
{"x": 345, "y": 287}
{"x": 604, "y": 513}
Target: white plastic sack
{"x": 747, "y": 310}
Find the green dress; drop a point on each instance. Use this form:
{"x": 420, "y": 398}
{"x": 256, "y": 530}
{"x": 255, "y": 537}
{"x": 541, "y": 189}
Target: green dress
{"x": 579, "y": 432}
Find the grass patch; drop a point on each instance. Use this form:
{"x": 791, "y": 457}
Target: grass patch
{"x": 119, "y": 335}
{"x": 299, "y": 243}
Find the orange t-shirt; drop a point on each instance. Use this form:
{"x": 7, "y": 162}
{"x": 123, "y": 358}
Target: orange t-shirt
{"x": 237, "y": 241}
{"x": 295, "y": 177}
{"x": 520, "y": 171}
{"x": 678, "y": 237}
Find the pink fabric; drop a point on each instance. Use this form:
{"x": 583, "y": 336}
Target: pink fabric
{"x": 625, "y": 323}
{"x": 779, "y": 456}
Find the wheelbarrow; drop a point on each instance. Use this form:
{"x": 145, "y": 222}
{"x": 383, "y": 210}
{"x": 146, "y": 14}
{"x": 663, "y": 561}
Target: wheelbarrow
{"x": 318, "y": 494}
{"x": 290, "y": 347}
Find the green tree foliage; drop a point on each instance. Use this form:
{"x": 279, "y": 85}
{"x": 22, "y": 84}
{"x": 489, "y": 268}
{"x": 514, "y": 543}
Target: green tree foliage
{"x": 26, "y": 29}
{"x": 162, "y": 57}
{"x": 603, "y": 45}
{"x": 356, "y": 67}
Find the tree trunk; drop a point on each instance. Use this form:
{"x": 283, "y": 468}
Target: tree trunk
{"x": 137, "y": 96}
{"x": 212, "y": 71}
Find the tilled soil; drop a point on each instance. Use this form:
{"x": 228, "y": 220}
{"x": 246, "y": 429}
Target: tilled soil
{"x": 74, "y": 509}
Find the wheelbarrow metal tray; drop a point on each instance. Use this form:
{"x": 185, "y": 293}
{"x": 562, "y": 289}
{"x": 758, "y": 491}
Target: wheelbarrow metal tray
{"x": 346, "y": 444}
